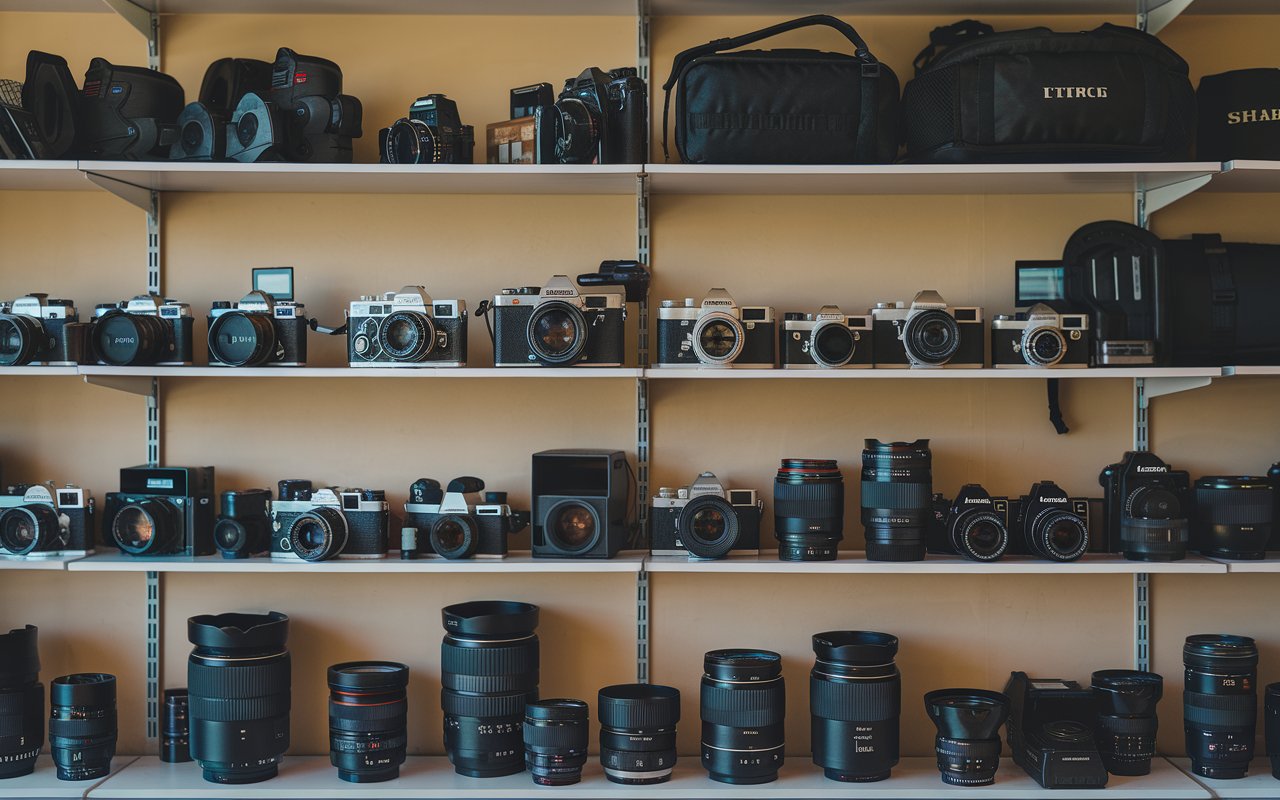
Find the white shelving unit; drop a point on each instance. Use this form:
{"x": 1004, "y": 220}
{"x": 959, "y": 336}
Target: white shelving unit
{"x": 426, "y": 373}
{"x": 44, "y": 176}
{"x": 45, "y": 372}
{"x": 1270, "y": 564}
{"x": 1247, "y": 176}
{"x": 51, "y": 563}
{"x": 521, "y": 562}
{"x": 1252, "y": 371}
{"x": 1259, "y": 783}
{"x": 527, "y": 7}
{"x": 856, "y": 563}
{"x": 711, "y": 373}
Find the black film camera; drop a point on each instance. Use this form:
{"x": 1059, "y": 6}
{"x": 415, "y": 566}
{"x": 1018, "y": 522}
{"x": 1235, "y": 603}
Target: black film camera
{"x": 558, "y": 325}
{"x": 974, "y": 524}
{"x": 433, "y": 133}
{"x": 1040, "y": 337}
{"x": 599, "y": 118}
{"x": 579, "y": 503}
{"x": 1047, "y": 523}
{"x": 144, "y": 331}
{"x": 705, "y": 520}
{"x": 243, "y": 529}
{"x": 452, "y": 525}
{"x": 826, "y": 340}
{"x": 1146, "y": 508}
{"x": 407, "y": 329}
{"x": 36, "y": 330}
{"x": 718, "y": 333}
{"x": 928, "y": 334}
{"x": 128, "y": 113}
{"x": 328, "y": 523}
{"x": 161, "y": 511}
{"x": 1051, "y": 732}
{"x": 38, "y": 521}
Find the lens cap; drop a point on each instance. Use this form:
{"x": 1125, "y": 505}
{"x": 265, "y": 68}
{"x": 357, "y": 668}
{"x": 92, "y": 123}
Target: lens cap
{"x": 490, "y": 618}
{"x": 369, "y": 675}
{"x": 83, "y": 689}
{"x": 967, "y": 714}
{"x": 19, "y": 657}
{"x": 239, "y": 631}
{"x": 855, "y": 647}
{"x": 118, "y": 339}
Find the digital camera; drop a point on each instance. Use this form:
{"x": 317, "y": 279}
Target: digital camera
{"x": 719, "y": 333}
{"x": 1048, "y": 524}
{"x": 974, "y": 525}
{"x": 38, "y": 521}
{"x": 161, "y": 511}
{"x": 1040, "y": 337}
{"x": 257, "y": 331}
{"x": 433, "y": 133}
{"x": 558, "y": 325}
{"x": 146, "y": 331}
{"x": 1051, "y": 732}
{"x": 36, "y": 330}
{"x": 1146, "y": 508}
{"x": 826, "y": 340}
{"x": 705, "y": 520}
{"x": 451, "y": 525}
{"x": 243, "y": 528}
{"x": 328, "y": 523}
{"x": 928, "y": 334}
{"x": 599, "y": 118}
{"x": 407, "y": 329}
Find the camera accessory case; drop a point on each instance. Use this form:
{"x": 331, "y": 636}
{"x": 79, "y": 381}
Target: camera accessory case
{"x": 1239, "y": 115}
{"x": 49, "y": 93}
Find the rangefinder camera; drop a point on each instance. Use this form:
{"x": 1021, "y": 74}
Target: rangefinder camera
{"x": 452, "y": 524}
{"x": 39, "y": 331}
{"x": 37, "y": 521}
{"x": 826, "y": 340}
{"x": 928, "y": 334}
{"x": 407, "y": 329}
{"x": 148, "y": 330}
{"x": 1040, "y": 337}
{"x": 323, "y": 524}
{"x": 257, "y": 331}
{"x": 558, "y": 325}
{"x": 717, "y": 333}
{"x": 706, "y": 520}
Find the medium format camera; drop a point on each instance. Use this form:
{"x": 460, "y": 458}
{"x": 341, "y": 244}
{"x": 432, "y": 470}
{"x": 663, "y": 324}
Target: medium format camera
{"x": 719, "y": 333}
{"x": 579, "y": 503}
{"x": 1051, "y": 732}
{"x": 599, "y": 118}
{"x": 455, "y": 526}
{"x": 259, "y": 330}
{"x": 322, "y": 524}
{"x": 37, "y": 521}
{"x": 433, "y": 133}
{"x": 146, "y": 331}
{"x": 161, "y": 511}
{"x": 928, "y": 334}
{"x": 1146, "y": 508}
{"x": 1040, "y": 337}
{"x": 558, "y": 326}
{"x": 407, "y": 329}
{"x": 36, "y": 330}
{"x": 974, "y": 524}
{"x": 705, "y": 520}
{"x": 243, "y": 529}
{"x": 826, "y": 340}
{"x": 1046, "y": 523}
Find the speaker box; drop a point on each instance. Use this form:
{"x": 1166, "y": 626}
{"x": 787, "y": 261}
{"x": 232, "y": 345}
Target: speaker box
{"x": 579, "y": 503}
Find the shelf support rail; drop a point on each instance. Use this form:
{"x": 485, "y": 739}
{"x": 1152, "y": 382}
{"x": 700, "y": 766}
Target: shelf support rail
{"x": 1155, "y": 15}
{"x": 1142, "y": 621}
{"x": 642, "y": 41}
{"x": 153, "y": 660}
{"x": 642, "y": 625}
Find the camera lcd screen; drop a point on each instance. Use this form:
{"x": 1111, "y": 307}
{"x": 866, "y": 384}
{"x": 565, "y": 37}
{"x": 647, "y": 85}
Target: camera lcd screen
{"x": 275, "y": 281}
{"x": 1038, "y": 282}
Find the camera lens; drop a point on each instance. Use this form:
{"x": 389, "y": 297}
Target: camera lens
{"x": 577, "y": 131}
{"x": 31, "y": 529}
{"x": 717, "y": 338}
{"x": 148, "y": 527}
{"x": 1056, "y": 534}
{"x": 1271, "y": 713}
{"x": 744, "y": 704}
{"x": 1234, "y": 516}
{"x": 931, "y": 337}
{"x": 1220, "y": 703}
{"x": 411, "y": 141}
{"x": 968, "y": 740}
{"x": 979, "y": 535}
{"x": 897, "y": 498}
{"x": 638, "y": 732}
{"x": 1044, "y": 347}
{"x": 318, "y": 534}
{"x": 832, "y": 344}
{"x": 454, "y": 536}
{"x": 407, "y": 335}
{"x": 239, "y": 678}
{"x": 489, "y": 672}
{"x": 243, "y": 527}
{"x": 709, "y": 527}
{"x": 21, "y": 703}
{"x": 555, "y": 741}
{"x": 1154, "y": 527}
{"x": 242, "y": 340}
{"x": 557, "y": 333}
{"x": 573, "y": 526}
{"x": 855, "y": 698}
{"x": 175, "y": 747}
{"x": 1127, "y": 718}
{"x": 20, "y": 339}
{"x": 82, "y": 725}
{"x": 808, "y": 509}
{"x": 368, "y": 713}
{"x": 125, "y": 340}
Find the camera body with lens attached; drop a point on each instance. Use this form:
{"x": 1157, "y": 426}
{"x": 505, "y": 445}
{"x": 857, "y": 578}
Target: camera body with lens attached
{"x": 257, "y": 331}
{"x": 322, "y": 524}
{"x": 451, "y": 525}
{"x": 161, "y": 511}
{"x": 243, "y": 527}
{"x": 1051, "y": 732}
{"x": 37, "y": 521}
{"x": 826, "y": 340}
{"x": 147, "y": 330}
{"x": 1145, "y": 508}
{"x": 928, "y": 334}
{"x": 558, "y": 325}
{"x": 407, "y": 329}
{"x": 36, "y": 330}
{"x": 1047, "y": 523}
{"x": 599, "y": 118}
{"x": 579, "y": 503}
{"x": 1040, "y": 337}
{"x": 717, "y": 333}
{"x": 973, "y": 525}
{"x": 705, "y": 520}
{"x": 433, "y": 133}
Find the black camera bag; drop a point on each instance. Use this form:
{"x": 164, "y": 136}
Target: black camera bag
{"x": 793, "y": 106}
{"x": 1239, "y": 115}
{"x": 1110, "y": 94}
{"x": 1222, "y": 302}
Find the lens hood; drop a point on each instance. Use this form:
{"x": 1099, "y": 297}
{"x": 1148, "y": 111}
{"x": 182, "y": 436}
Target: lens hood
{"x": 491, "y": 618}
{"x": 83, "y": 689}
{"x": 234, "y": 631}
{"x": 967, "y": 714}
{"x": 1127, "y": 691}
{"x": 855, "y": 647}
{"x": 364, "y": 676}
{"x": 19, "y": 657}
{"x": 742, "y": 666}
{"x": 1212, "y": 649}
{"x": 638, "y": 706}
{"x": 557, "y": 710}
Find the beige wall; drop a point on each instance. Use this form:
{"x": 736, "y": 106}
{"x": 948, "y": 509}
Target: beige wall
{"x": 955, "y": 630}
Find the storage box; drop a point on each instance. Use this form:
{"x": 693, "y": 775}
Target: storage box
{"x": 511, "y": 142}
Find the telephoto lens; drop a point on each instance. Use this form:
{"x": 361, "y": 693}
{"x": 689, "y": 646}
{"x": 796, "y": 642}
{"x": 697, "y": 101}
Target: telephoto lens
{"x": 82, "y": 725}
{"x": 638, "y": 732}
{"x": 1220, "y": 703}
{"x": 239, "y": 679}
{"x": 1271, "y": 713}
{"x": 808, "y": 509}
{"x": 489, "y": 672}
{"x": 368, "y": 715}
{"x": 175, "y": 730}
{"x": 555, "y": 741}
{"x": 1233, "y": 517}
{"x": 897, "y": 498}
{"x": 744, "y": 706}
{"x": 855, "y": 698}
{"x": 1127, "y": 723}
{"x": 21, "y": 703}
{"x": 968, "y": 740}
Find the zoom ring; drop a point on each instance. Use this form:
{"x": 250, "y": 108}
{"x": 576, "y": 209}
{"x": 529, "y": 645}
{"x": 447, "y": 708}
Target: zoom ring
{"x": 242, "y": 681}
{"x": 878, "y": 494}
{"x": 238, "y": 709}
{"x": 512, "y": 659}
{"x": 490, "y": 684}
{"x": 968, "y": 748}
{"x": 499, "y": 705}
{"x": 1129, "y": 726}
{"x": 555, "y": 737}
{"x": 855, "y": 702}
{"x": 1155, "y": 531}
{"x": 17, "y": 702}
{"x": 77, "y": 728}
{"x": 744, "y": 707}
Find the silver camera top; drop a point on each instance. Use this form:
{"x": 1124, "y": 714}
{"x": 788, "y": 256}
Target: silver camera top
{"x": 151, "y": 305}
{"x": 39, "y": 305}
{"x": 69, "y": 496}
{"x": 718, "y": 299}
{"x": 260, "y": 302}
{"x": 706, "y": 483}
{"x": 562, "y": 288}
{"x": 410, "y": 298}
{"x": 829, "y": 313}
{"x": 928, "y": 299}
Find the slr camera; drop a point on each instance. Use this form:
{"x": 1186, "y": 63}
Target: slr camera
{"x": 36, "y": 330}
{"x": 1146, "y": 508}
{"x": 322, "y": 524}
{"x": 826, "y": 340}
{"x": 146, "y": 331}
{"x": 718, "y": 333}
{"x": 599, "y": 118}
{"x": 705, "y": 520}
{"x": 974, "y": 525}
{"x": 1051, "y": 732}
{"x": 243, "y": 529}
{"x": 1047, "y": 523}
{"x": 433, "y": 133}
{"x": 38, "y": 521}
{"x": 928, "y": 334}
{"x": 161, "y": 511}
{"x": 558, "y": 326}
{"x": 406, "y": 329}
{"x": 452, "y": 525}
{"x": 257, "y": 331}
{"x": 1040, "y": 337}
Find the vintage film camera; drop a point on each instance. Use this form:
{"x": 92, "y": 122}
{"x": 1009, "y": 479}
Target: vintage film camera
{"x": 36, "y": 330}
{"x": 717, "y": 333}
{"x": 1047, "y": 523}
{"x": 560, "y": 324}
{"x": 974, "y": 525}
{"x": 705, "y": 520}
{"x": 161, "y": 511}
{"x": 322, "y": 524}
{"x": 265, "y": 327}
{"x": 826, "y": 340}
{"x": 1146, "y": 508}
{"x": 599, "y": 118}
{"x": 148, "y": 330}
{"x": 433, "y": 133}
{"x": 39, "y": 521}
{"x": 1040, "y": 337}
{"x": 452, "y": 524}
{"x": 407, "y": 329}
{"x": 928, "y": 334}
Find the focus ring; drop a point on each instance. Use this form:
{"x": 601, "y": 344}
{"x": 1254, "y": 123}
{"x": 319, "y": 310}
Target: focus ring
{"x": 855, "y": 702}
{"x": 506, "y": 659}
{"x": 566, "y": 737}
{"x": 967, "y": 748}
{"x": 744, "y": 707}
{"x": 76, "y": 728}
{"x": 881, "y": 494}
{"x": 1129, "y": 726}
{"x": 655, "y": 714}
{"x": 234, "y": 680}
{"x": 490, "y": 684}
{"x": 18, "y": 701}
{"x": 239, "y": 709}
{"x": 482, "y": 706}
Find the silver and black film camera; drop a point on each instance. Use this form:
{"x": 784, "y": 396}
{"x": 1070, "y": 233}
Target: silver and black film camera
{"x": 460, "y": 522}
{"x": 36, "y": 330}
{"x": 37, "y": 521}
{"x": 265, "y": 327}
{"x": 717, "y": 333}
{"x": 161, "y": 511}
{"x": 148, "y": 330}
{"x": 826, "y": 340}
{"x": 559, "y": 325}
{"x": 407, "y": 329}
{"x": 321, "y": 524}
{"x": 1040, "y": 337}
{"x": 928, "y": 334}
{"x": 706, "y": 520}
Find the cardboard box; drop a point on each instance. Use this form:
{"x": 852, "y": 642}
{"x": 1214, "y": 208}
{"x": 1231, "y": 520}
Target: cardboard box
{"x": 511, "y": 141}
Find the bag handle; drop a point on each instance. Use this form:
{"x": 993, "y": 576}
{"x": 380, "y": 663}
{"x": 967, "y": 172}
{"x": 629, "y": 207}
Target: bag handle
{"x": 871, "y": 66}
{"x": 947, "y": 36}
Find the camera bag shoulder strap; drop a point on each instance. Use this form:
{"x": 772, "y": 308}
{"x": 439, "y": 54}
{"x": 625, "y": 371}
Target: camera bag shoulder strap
{"x": 1222, "y": 317}
{"x": 870, "y": 71}
{"x": 945, "y": 37}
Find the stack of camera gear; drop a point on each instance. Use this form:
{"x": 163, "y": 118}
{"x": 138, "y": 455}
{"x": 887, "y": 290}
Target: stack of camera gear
{"x": 323, "y": 524}
{"x": 717, "y": 333}
{"x": 433, "y": 133}
{"x": 406, "y": 329}
{"x": 704, "y": 520}
{"x": 38, "y": 116}
{"x": 39, "y": 521}
{"x": 128, "y": 113}
{"x": 448, "y": 524}
{"x": 147, "y": 330}
{"x": 161, "y": 511}
{"x": 514, "y": 141}
{"x": 36, "y": 330}
{"x": 599, "y": 118}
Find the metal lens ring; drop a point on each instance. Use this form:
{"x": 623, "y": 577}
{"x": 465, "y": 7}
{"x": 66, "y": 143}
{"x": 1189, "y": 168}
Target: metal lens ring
{"x": 980, "y": 535}
{"x": 31, "y": 528}
{"x": 122, "y": 339}
{"x": 1058, "y": 535}
{"x": 407, "y": 335}
{"x": 931, "y": 337}
{"x": 709, "y": 527}
{"x": 412, "y": 141}
{"x": 20, "y": 337}
{"x": 557, "y": 332}
{"x": 832, "y": 344}
{"x": 1043, "y": 347}
{"x": 144, "y": 528}
{"x": 239, "y": 339}
{"x": 454, "y": 536}
{"x": 717, "y": 338}
{"x": 574, "y": 526}
{"x": 319, "y": 534}
{"x": 230, "y": 536}
{"x": 577, "y": 131}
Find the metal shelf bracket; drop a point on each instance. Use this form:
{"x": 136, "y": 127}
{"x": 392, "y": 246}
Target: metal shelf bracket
{"x": 1152, "y": 199}
{"x": 138, "y": 196}
{"x": 1146, "y": 389}
{"x": 153, "y": 660}
{"x": 642, "y": 626}
{"x": 1155, "y": 15}
{"x": 122, "y": 383}
{"x": 145, "y": 22}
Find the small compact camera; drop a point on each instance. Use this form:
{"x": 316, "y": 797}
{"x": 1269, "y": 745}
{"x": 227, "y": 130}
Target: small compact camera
{"x": 37, "y": 521}
{"x": 974, "y": 525}
{"x": 1047, "y": 523}
{"x": 826, "y": 340}
{"x": 407, "y": 329}
{"x": 719, "y": 333}
{"x": 1146, "y": 507}
{"x": 558, "y": 325}
{"x": 322, "y": 524}
{"x": 265, "y": 327}
{"x": 599, "y": 118}
{"x": 146, "y": 331}
{"x": 36, "y": 330}
{"x": 243, "y": 529}
{"x": 433, "y": 133}
{"x": 1040, "y": 337}
{"x": 452, "y": 526}
{"x": 161, "y": 511}
{"x": 1051, "y": 732}
{"x": 705, "y": 520}
{"x": 928, "y": 334}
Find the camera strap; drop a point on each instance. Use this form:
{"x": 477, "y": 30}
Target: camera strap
{"x": 315, "y": 325}
{"x": 1055, "y": 407}
{"x": 483, "y": 310}
{"x": 945, "y": 37}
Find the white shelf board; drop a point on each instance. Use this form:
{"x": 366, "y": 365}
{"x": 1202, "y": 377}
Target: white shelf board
{"x": 522, "y": 561}
{"x": 44, "y": 783}
{"x": 1258, "y": 784}
{"x": 1269, "y": 564}
{"x": 528, "y": 7}
{"x": 40, "y": 371}
{"x": 712, "y": 373}
{"x": 855, "y": 562}
{"x": 360, "y": 372}
{"x": 1247, "y": 176}
{"x": 797, "y": 8}
{"x": 49, "y": 176}
{"x": 1252, "y": 370}
{"x": 54, "y": 563}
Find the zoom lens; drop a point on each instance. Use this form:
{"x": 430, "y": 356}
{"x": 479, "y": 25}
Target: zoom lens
{"x": 555, "y": 741}
{"x": 557, "y": 333}
{"x": 122, "y": 339}
{"x": 368, "y": 715}
{"x": 1155, "y": 526}
{"x": 897, "y": 498}
{"x": 238, "y": 339}
{"x": 1271, "y": 713}
{"x": 489, "y": 672}
{"x": 1220, "y": 703}
{"x": 855, "y": 699}
{"x": 239, "y": 679}
{"x": 808, "y": 509}
{"x": 1234, "y": 516}
{"x": 1127, "y": 720}
{"x": 82, "y": 725}
{"x": 175, "y": 728}
{"x": 21, "y": 703}
{"x": 20, "y": 339}
{"x": 968, "y": 740}
{"x": 638, "y": 732}
{"x": 744, "y": 705}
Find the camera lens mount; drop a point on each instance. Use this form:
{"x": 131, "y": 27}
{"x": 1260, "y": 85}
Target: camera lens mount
{"x": 407, "y": 335}
{"x": 557, "y": 333}
{"x": 717, "y": 338}
{"x": 709, "y": 527}
{"x": 318, "y": 534}
{"x": 454, "y": 536}
{"x": 31, "y": 528}
{"x": 930, "y": 337}
{"x": 1043, "y": 347}
{"x": 831, "y": 344}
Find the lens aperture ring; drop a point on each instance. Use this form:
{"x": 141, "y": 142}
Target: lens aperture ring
{"x": 861, "y": 701}
{"x": 967, "y": 748}
{"x": 82, "y": 728}
{"x": 1219, "y": 710}
{"x": 359, "y": 745}
{"x": 1129, "y": 726}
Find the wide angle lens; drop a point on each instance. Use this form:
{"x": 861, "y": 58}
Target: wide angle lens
{"x": 968, "y": 741}
{"x": 855, "y": 699}
{"x": 638, "y": 732}
{"x": 368, "y": 715}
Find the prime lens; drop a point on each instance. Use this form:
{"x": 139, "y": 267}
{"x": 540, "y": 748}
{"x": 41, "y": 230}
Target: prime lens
{"x": 21, "y": 703}
{"x": 1155, "y": 525}
{"x": 555, "y": 741}
{"x": 1271, "y": 713}
{"x": 897, "y": 498}
{"x": 638, "y": 732}
{"x": 1127, "y": 721}
{"x": 368, "y": 717}
{"x": 855, "y": 699}
{"x": 808, "y": 509}
{"x": 82, "y": 725}
{"x": 968, "y": 741}
{"x": 744, "y": 705}
{"x": 1220, "y": 703}
{"x": 175, "y": 727}
{"x": 1233, "y": 516}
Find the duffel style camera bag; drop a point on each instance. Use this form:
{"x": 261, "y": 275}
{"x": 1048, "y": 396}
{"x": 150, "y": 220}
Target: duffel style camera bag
{"x": 1110, "y": 94}
{"x": 1239, "y": 115}
{"x": 793, "y": 106}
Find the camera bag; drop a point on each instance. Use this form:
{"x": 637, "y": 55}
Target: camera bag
{"x": 1110, "y": 94}
{"x": 1239, "y": 115}
{"x": 793, "y": 106}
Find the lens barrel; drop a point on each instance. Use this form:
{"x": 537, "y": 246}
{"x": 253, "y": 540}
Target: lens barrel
{"x": 21, "y": 703}
{"x": 1127, "y": 721}
{"x": 175, "y": 728}
{"x": 82, "y": 725}
{"x": 1234, "y": 516}
{"x": 555, "y": 741}
{"x": 1271, "y": 713}
{"x": 743, "y": 706}
{"x": 368, "y": 717}
{"x": 638, "y": 732}
{"x": 1220, "y": 703}
{"x": 855, "y": 699}
{"x": 808, "y": 509}
{"x": 897, "y": 498}
{"x": 968, "y": 741}
{"x": 1154, "y": 526}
